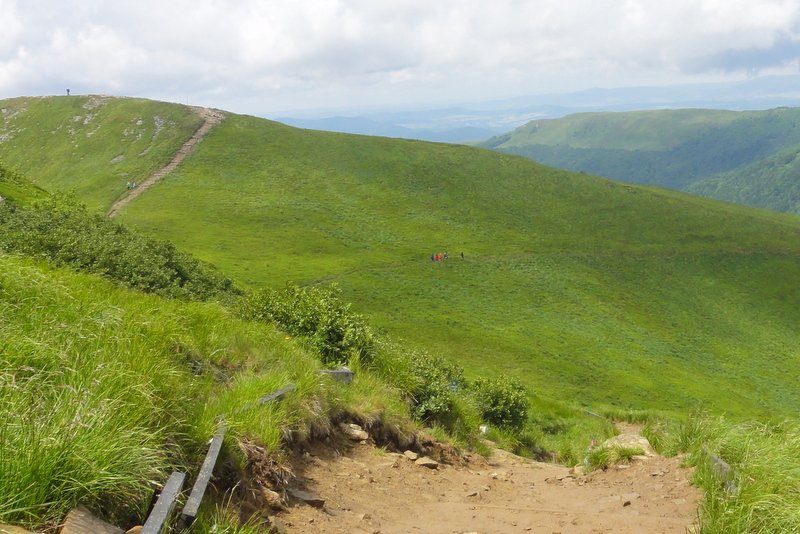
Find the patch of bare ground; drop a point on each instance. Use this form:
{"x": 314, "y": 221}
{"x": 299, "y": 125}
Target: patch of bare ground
{"x": 366, "y": 489}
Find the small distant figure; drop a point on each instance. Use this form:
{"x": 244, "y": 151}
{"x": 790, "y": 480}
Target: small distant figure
{"x": 133, "y": 185}
{"x": 67, "y": 92}
{"x": 462, "y": 255}
{"x": 433, "y": 257}
{"x": 129, "y": 185}
{"x": 445, "y": 256}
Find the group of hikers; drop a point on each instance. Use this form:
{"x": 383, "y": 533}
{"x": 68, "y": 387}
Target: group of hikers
{"x": 442, "y": 256}
{"x": 131, "y": 185}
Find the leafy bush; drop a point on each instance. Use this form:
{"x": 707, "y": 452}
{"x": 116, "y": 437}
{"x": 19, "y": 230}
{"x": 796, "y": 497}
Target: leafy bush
{"x": 502, "y": 402}
{"x": 66, "y": 233}
{"x": 318, "y": 315}
{"x": 435, "y": 382}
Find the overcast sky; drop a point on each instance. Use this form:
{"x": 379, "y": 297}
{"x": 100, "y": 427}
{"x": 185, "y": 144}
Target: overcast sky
{"x": 268, "y": 57}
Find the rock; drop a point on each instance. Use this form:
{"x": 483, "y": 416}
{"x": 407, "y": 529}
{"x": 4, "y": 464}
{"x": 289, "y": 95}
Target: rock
{"x": 626, "y": 503}
{"x": 11, "y": 529}
{"x": 273, "y": 499}
{"x": 577, "y": 470}
{"x": 307, "y": 497}
{"x": 81, "y": 521}
{"x": 430, "y": 463}
{"x": 365, "y": 517}
{"x": 631, "y": 441}
{"x": 134, "y": 530}
{"x": 353, "y": 431}
{"x": 411, "y": 455}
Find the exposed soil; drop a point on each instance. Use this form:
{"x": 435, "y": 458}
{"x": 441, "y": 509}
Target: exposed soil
{"x": 211, "y": 118}
{"x": 368, "y": 490}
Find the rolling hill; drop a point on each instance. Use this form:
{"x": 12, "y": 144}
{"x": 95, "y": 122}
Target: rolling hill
{"x": 581, "y": 287}
{"x": 743, "y": 157}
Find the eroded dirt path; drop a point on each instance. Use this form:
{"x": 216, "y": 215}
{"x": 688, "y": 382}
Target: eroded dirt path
{"x": 211, "y": 118}
{"x": 367, "y": 490}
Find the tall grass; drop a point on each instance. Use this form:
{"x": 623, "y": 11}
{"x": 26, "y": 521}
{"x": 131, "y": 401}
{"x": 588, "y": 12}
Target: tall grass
{"x": 761, "y": 493}
{"x": 104, "y": 390}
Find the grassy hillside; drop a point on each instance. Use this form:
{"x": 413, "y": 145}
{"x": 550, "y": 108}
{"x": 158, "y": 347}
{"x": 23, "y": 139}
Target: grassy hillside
{"x": 92, "y": 145}
{"x": 581, "y": 287}
{"x": 16, "y": 188}
{"x": 736, "y": 156}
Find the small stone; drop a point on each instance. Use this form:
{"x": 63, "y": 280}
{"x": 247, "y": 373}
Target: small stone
{"x": 485, "y": 488}
{"x": 626, "y": 503}
{"x": 365, "y": 517}
{"x": 307, "y": 497}
{"x": 430, "y": 463}
{"x": 353, "y": 431}
{"x": 411, "y": 455}
{"x": 577, "y": 470}
{"x": 273, "y": 499}
{"x": 133, "y": 530}
{"x": 80, "y": 520}
{"x": 494, "y": 476}
{"x": 622, "y": 467}
{"x": 472, "y": 494}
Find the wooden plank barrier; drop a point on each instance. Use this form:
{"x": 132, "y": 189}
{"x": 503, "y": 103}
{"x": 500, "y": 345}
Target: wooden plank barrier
{"x": 343, "y": 374}
{"x": 192, "y": 506}
{"x": 277, "y": 394}
{"x": 159, "y": 516}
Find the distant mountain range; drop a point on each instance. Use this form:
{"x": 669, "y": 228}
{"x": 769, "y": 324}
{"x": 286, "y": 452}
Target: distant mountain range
{"x": 748, "y": 157}
{"x": 478, "y": 121}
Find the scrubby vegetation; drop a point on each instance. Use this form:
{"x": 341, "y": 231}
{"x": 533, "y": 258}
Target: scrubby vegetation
{"x": 318, "y": 315}
{"x": 63, "y": 231}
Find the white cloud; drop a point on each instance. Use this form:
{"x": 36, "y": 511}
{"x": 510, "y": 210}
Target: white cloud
{"x": 314, "y": 52}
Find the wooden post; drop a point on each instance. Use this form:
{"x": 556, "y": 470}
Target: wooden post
{"x": 159, "y": 516}
{"x": 192, "y": 506}
{"x": 276, "y": 394}
{"x": 343, "y": 374}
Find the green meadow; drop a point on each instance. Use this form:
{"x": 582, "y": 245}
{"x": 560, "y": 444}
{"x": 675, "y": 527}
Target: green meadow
{"x": 603, "y": 292}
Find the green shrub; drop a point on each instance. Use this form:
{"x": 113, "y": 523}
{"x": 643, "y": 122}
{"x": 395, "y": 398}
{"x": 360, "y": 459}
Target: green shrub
{"x": 66, "y": 233}
{"x": 502, "y": 402}
{"x": 436, "y": 380}
{"x": 318, "y": 315}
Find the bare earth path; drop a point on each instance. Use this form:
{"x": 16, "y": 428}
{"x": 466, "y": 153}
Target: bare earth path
{"x": 211, "y": 118}
{"x": 370, "y": 491}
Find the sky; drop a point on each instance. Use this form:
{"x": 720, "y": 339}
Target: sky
{"x": 272, "y": 57}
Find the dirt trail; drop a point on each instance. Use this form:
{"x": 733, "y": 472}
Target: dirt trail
{"x": 367, "y": 490}
{"x": 211, "y": 118}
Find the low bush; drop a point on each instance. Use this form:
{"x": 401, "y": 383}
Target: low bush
{"x": 66, "y": 233}
{"x": 436, "y": 380}
{"x": 502, "y": 402}
{"x": 319, "y": 316}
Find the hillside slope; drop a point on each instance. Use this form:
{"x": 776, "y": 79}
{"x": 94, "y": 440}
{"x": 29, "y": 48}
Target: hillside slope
{"x": 92, "y": 145}
{"x": 735, "y": 156}
{"x": 582, "y": 288}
